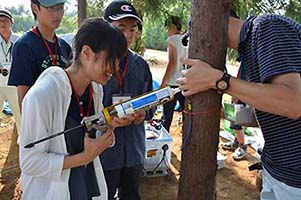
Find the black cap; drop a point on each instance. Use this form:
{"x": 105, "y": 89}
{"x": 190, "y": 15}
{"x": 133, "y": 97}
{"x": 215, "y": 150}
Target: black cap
{"x": 120, "y": 9}
{"x": 6, "y": 13}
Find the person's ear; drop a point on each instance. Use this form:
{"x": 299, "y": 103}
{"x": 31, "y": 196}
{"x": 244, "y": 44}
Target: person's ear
{"x": 87, "y": 53}
{"x": 34, "y": 8}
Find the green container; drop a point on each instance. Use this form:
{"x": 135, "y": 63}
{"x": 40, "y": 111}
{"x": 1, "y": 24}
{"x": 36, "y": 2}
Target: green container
{"x": 229, "y": 112}
{"x": 227, "y": 128}
{"x": 247, "y": 131}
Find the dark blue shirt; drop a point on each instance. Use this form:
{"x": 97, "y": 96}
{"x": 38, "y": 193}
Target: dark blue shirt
{"x": 129, "y": 148}
{"x": 82, "y": 180}
{"x": 31, "y": 58}
{"x": 271, "y": 46}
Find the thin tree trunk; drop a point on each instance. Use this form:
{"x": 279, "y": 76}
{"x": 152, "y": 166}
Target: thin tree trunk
{"x": 82, "y": 11}
{"x": 208, "y": 43}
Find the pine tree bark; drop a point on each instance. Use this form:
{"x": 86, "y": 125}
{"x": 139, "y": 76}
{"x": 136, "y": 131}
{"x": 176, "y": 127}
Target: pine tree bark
{"x": 209, "y": 20}
{"x": 82, "y": 11}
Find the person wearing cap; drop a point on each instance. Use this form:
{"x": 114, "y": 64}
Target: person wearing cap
{"x": 269, "y": 48}
{"x": 123, "y": 163}
{"x": 176, "y": 50}
{"x": 39, "y": 48}
{"x": 7, "y": 41}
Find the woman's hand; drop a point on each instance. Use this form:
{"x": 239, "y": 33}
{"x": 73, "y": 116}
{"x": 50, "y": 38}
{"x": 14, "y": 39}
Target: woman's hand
{"x": 94, "y": 147}
{"x": 135, "y": 119}
{"x": 139, "y": 117}
{"x": 124, "y": 121}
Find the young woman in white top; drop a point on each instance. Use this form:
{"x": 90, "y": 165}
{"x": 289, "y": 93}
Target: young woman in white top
{"x": 176, "y": 50}
{"x": 68, "y": 166}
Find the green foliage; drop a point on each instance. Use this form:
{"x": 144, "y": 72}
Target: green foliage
{"x": 19, "y": 11}
{"x": 154, "y": 34}
{"x": 24, "y": 21}
{"x": 155, "y": 13}
{"x": 68, "y": 24}
{"x": 292, "y": 10}
{"x": 95, "y": 8}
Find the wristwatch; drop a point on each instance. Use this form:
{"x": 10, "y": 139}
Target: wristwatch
{"x": 223, "y": 83}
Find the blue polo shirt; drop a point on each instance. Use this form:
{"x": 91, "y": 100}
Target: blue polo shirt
{"x": 129, "y": 148}
{"x": 271, "y": 45}
{"x": 31, "y": 58}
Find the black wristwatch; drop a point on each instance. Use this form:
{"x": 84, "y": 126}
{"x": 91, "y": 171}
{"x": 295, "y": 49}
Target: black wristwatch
{"x": 223, "y": 83}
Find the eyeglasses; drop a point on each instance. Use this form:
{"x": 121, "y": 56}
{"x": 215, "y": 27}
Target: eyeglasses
{"x": 56, "y": 8}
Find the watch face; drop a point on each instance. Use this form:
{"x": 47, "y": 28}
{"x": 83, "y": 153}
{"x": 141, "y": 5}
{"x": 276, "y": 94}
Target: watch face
{"x": 222, "y": 85}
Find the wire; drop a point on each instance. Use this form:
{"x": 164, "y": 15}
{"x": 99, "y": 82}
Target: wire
{"x": 189, "y": 128}
{"x": 164, "y": 148}
{"x": 190, "y": 115}
{"x": 205, "y": 112}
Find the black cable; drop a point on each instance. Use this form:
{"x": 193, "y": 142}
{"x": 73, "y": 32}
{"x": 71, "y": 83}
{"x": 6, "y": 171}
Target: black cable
{"x": 164, "y": 148}
{"x": 187, "y": 134}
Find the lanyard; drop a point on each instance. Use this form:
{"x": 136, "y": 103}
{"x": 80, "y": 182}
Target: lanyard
{"x": 53, "y": 57}
{"x": 121, "y": 77}
{"x": 8, "y": 52}
{"x": 81, "y": 110}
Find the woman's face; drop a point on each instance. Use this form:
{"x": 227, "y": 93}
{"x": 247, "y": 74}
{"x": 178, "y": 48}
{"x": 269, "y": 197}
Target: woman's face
{"x": 101, "y": 71}
{"x": 171, "y": 30}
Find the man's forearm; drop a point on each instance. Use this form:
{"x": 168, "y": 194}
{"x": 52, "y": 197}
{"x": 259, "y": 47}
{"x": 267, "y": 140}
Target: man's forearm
{"x": 22, "y": 90}
{"x": 277, "y": 98}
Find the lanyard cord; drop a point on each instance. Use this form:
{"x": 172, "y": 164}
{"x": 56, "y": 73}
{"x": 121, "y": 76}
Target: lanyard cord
{"x": 81, "y": 110}
{"x": 9, "y": 52}
{"x": 121, "y": 77}
{"x": 53, "y": 57}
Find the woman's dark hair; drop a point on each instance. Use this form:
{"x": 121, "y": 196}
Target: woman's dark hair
{"x": 100, "y": 35}
{"x": 173, "y": 20}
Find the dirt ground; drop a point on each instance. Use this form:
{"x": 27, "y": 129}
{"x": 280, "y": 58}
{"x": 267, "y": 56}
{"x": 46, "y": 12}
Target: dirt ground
{"x": 234, "y": 181}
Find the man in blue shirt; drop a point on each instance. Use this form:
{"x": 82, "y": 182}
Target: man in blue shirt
{"x": 123, "y": 163}
{"x": 39, "y": 48}
{"x": 270, "y": 48}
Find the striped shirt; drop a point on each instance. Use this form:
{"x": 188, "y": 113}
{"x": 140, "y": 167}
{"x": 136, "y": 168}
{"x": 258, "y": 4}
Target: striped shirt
{"x": 271, "y": 45}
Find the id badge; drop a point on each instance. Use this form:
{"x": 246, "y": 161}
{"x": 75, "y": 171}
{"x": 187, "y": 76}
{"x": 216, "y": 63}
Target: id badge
{"x": 119, "y": 98}
{"x": 6, "y": 65}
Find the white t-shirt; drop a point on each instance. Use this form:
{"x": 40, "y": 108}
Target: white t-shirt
{"x": 6, "y": 56}
{"x": 181, "y": 52}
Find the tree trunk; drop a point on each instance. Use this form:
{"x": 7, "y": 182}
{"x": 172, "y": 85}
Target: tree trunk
{"x": 209, "y": 20}
{"x": 82, "y": 11}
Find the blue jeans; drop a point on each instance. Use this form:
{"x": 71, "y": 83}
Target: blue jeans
{"x": 169, "y": 107}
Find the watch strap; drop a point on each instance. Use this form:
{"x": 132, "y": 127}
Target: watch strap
{"x": 225, "y": 78}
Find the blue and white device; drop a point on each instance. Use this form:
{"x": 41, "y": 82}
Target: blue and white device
{"x": 146, "y": 101}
